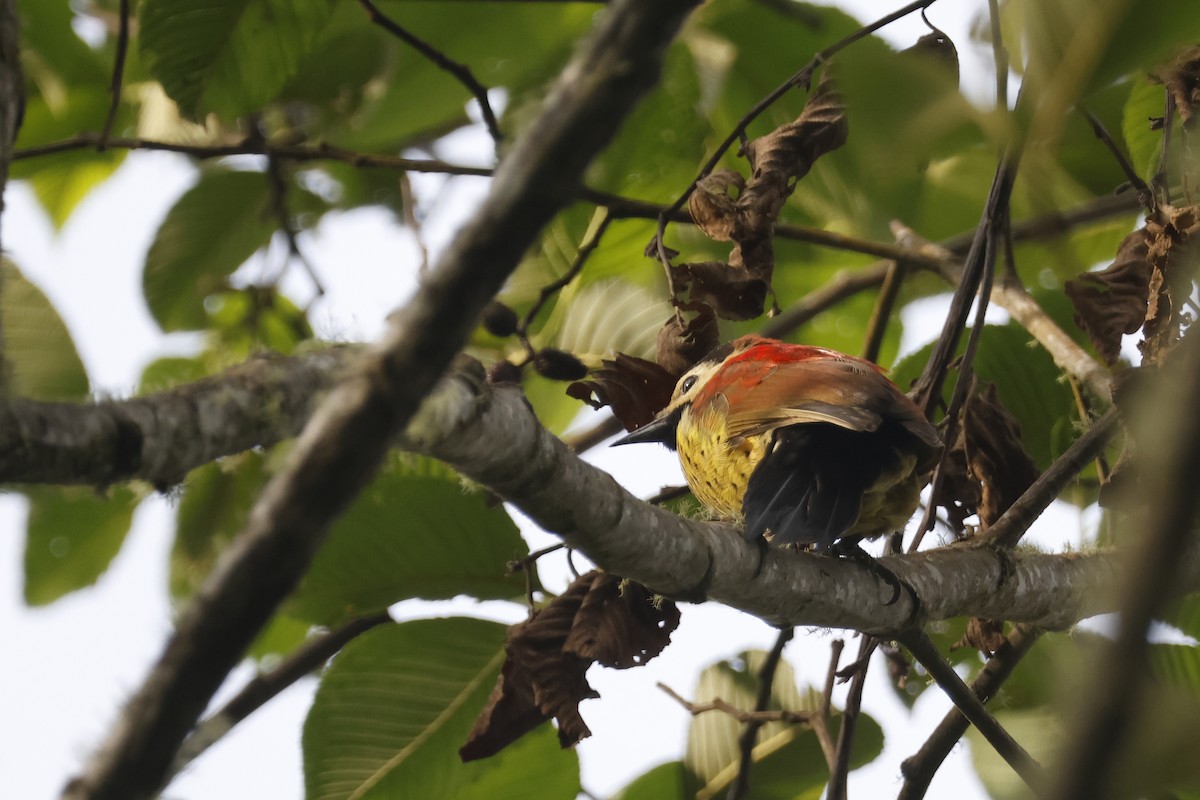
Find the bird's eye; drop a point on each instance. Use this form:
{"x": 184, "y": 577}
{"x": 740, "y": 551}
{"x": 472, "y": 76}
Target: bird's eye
{"x": 687, "y": 384}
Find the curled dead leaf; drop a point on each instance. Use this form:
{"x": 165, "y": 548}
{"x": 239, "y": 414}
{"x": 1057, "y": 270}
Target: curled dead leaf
{"x": 985, "y": 635}
{"x": 1181, "y": 78}
{"x": 733, "y": 293}
{"x": 1112, "y": 302}
{"x": 1174, "y": 252}
{"x": 680, "y": 345}
{"x": 713, "y": 203}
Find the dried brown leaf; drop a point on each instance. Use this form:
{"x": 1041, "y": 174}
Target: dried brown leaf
{"x": 1182, "y": 79}
{"x": 995, "y": 454}
{"x": 549, "y": 655}
{"x": 985, "y": 635}
{"x": 635, "y": 389}
{"x": 713, "y": 203}
{"x": 620, "y": 624}
{"x": 680, "y": 345}
{"x": 733, "y": 293}
{"x": 1113, "y": 302}
{"x": 1174, "y": 251}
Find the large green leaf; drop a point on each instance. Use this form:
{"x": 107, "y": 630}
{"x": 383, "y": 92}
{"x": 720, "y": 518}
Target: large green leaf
{"x": 211, "y": 230}
{"x": 63, "y": 180}
{"x": 227, "y": 56}
{"x": 415, "y": 532}
{"x": 505, "y": 45}
{"x": 42, "y": 361}
{"x": 398, "y": 702}
{"x": 73, "y": 534}
{"x": 1147, "y": 101}
{"x": 664, "y": 782}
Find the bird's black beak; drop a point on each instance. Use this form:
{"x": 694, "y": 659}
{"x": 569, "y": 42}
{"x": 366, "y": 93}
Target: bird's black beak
{"x": 661, "y": 430}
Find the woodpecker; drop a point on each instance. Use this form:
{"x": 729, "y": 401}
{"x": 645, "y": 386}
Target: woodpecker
{"x": 803, "y": 444}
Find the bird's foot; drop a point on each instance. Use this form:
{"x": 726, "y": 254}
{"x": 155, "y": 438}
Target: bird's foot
{"x": 851, "y": 549}
{"x": 699, "y": 593}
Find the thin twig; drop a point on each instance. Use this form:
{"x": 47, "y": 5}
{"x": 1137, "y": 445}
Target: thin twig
{"x": 740, "y": 714}
{"x": 118, "y": 75}
{"x": 1162, "y": 188}
{"x": 840, "y": 772}
{"x": 408, "y": 202}
{"x": 999, "y": 55}
{"x": 881, "y": 315}
{"x": 927, "y": 655}
{"x": 766, "y": 680}
{"x": 526, "y": 565}
{"x": 842, "y": 286}
{"x": 279, "y": 203}
{"x": 1013, "y": 523}
{"x": 440, "y": 60}
{"x": 919, "y": 769}
{"x": 1145, "y": 195}
{"x": 309, "y": 656}
{"x": 828, "y": 746}
{"x": 550, "y": 289}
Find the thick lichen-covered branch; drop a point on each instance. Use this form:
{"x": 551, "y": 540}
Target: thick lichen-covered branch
{"x": 489, "y": 434}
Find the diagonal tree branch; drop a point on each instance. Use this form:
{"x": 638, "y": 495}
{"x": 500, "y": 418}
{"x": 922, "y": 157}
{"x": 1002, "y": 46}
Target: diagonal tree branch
{"x": 919, "y": 769}
{"x": 346, "y": 440}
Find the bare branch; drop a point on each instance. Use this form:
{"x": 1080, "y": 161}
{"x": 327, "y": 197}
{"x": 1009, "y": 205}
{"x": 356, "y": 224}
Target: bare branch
{"x": 919, "y": 769}
{"x": 925, "y": 652}
{"x": 758, "y": 716}
{"x": 1014, "y": 522}
{"x": 159, "y": 438}
{"x": 118, "y": 75}
{"x": 440, "y": 60}
{"x": 766, "y": 680}
{"x": 346, "y": 440}
{"x": 309, "y": 656}
{"x": 489, "y": 435}
{"x": 840, "y": 771}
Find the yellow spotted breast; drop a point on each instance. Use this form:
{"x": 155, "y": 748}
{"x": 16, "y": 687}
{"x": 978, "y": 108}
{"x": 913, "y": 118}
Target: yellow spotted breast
{"x": 717, "y": 466}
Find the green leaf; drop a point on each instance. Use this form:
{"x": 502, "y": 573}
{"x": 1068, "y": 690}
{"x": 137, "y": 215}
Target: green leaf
{"x": 53, "y": 55}
{"x": 227, "y": 56}
{"x": 282, "y": 635}
{"x": 517, "y": 47}
{"x": 398, "y": 702}
{"x": 1147, "y": 101}
{"x": 664, "y": 782}
{"x": 73, "y": 535}
{"x": 42, "y": 360}
{"x": 61, "y": 181}
{"x": 601, "y": 319}
{"x": 415, "y": 532}
{"x": 1041, "y": 732}
{"x": 216, "y": 502}
{"x": 211, "y": 230}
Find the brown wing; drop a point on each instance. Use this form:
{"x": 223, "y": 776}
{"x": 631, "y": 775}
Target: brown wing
{"x": 845, "y": 393}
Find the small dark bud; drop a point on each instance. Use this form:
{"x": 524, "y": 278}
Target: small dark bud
{"x": 503, "y": 372}
{"x": 559, "y": 366}
{"x": 499, "y": 319}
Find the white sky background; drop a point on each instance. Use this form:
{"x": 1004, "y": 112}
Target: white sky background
{"x": 72, "y": 664}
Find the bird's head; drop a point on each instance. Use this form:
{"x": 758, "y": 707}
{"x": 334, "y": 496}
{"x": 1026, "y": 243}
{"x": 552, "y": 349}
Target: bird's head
{"x": 691, "y": 385}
